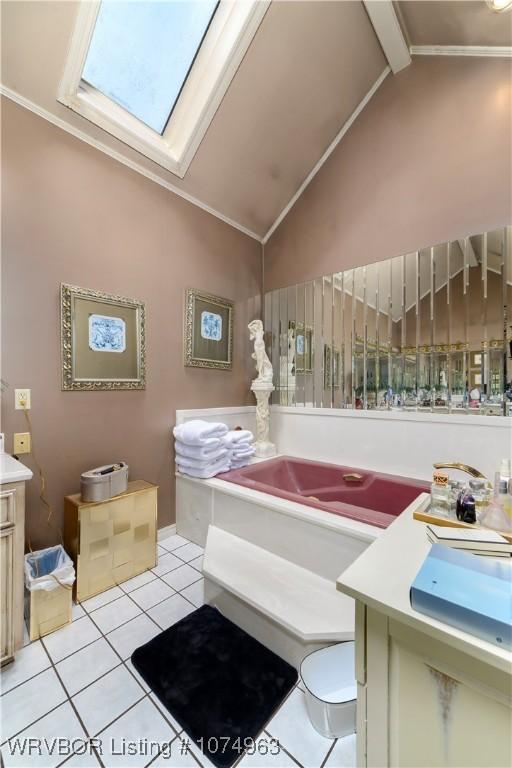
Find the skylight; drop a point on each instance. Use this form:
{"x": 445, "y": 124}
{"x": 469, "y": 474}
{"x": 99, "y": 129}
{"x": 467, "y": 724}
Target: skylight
{"x": 141, "y": 53}
{"x": 152, "y": 73}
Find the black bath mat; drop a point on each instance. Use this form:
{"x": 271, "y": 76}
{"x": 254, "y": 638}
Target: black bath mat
{"x": 219, "y": 683}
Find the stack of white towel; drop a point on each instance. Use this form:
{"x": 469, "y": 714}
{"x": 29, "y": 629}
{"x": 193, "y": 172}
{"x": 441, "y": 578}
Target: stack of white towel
{"x": 240, "y": 443}
{"x": 205, "y": 449}
{"x": 200, "y": 451}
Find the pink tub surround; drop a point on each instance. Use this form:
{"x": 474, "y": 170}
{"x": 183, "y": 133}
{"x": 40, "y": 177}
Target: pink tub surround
{"x": 371, "y": 497}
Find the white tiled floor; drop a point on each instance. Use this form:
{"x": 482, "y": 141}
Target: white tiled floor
{"x": 78, "y": 683}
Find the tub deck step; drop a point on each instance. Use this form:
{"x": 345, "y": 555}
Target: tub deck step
{"x": 305, "y": 604}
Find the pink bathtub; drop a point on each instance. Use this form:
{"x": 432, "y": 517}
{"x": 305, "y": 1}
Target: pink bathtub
{"x": 371, "y": 497}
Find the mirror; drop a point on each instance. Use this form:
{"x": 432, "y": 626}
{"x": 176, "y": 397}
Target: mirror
{"x": 428, "y": 331}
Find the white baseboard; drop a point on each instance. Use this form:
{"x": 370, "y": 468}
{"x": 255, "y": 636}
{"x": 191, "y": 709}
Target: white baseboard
{"x": 166, "y": 531}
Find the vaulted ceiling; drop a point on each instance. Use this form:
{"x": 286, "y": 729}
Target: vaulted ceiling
{"x": 307, "y": 70}
{"x": 454, "y": 22}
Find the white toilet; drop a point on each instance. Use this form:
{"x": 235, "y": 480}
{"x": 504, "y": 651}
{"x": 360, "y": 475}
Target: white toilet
{"x": 329, "y": 679}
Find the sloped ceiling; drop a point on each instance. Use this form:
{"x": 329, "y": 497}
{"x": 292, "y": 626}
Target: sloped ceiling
{"x": 454, "y": 22}
{"x": 307, "y": 69}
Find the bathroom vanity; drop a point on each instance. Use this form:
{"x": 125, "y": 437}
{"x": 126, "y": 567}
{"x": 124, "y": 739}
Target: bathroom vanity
{"x": 13, "y": 475}
{"x": 428, "y": 694}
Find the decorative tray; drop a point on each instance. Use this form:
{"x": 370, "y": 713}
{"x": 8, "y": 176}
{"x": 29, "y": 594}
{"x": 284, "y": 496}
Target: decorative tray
{"x": 428, "y": 517}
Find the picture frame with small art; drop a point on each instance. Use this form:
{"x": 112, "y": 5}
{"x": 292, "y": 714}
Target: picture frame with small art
{"x": 103, "y": 340}
{"x": 208, "y": 339}
{"x": 303, "y": 347}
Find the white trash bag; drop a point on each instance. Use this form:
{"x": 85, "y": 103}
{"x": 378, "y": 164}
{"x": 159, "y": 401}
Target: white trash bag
{"x": 48, "y": 569}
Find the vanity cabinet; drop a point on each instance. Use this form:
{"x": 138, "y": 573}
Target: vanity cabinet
{"x": 12, "y": 544}
{"x": 428, "y": 694}
{"x": 421, "y": 702}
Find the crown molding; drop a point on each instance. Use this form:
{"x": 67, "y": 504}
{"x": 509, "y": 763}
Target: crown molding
{"x": 17, "y": 98}
{"x": 328, "y": 152}
{"x": 494, "y": 51}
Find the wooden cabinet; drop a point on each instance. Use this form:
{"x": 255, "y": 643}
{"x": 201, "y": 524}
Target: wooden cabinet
{"x": 422, "y": 702}
{"x": 428, "y": 693}
{"x": 111, "y": 541}
{"x": 12, "y": 543}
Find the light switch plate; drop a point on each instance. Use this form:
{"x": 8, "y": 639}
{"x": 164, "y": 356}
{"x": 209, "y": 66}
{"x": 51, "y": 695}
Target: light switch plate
{"x": 20, "y": 396}
{"x": 21, "y": 442}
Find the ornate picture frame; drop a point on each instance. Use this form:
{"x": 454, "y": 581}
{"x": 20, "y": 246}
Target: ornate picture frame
{"x": 303, "y": 348}
{"x": 332, "y": 362}
{"x": 103, "y": 340}
{"x": 208, "y": 339}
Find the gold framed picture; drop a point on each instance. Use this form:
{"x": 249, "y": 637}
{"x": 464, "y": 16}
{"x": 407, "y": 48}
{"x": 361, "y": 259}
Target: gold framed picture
{"x": 208, "y": 331}
{"x": 332, "y": 358}
{"x": 303, "y": 348}
{"x": 102, "y": 340}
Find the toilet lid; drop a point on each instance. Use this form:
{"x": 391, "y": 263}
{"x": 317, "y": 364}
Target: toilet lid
{"x": 329, "y": 674}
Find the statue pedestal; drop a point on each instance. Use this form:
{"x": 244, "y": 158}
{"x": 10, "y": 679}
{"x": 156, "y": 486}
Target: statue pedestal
{"x": 262, "y": 391}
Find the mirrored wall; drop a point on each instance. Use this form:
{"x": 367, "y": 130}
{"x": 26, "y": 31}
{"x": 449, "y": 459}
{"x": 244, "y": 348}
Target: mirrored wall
{"x": 428, "y": 331}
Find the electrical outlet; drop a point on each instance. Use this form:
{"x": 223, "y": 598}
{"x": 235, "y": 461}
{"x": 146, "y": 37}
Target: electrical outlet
{"x": 22, "y": 399}
{"x": 21, "y": 442}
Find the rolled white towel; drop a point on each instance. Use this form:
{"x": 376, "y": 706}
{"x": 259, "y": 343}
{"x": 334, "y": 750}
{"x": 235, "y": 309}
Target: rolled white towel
{"x": 236, "y": 436}
{"x": 210, "y": 471}
{"x": 185, "y": 461}
{"x": 198, "y": 432}
{"x": 240, "y": 453}
{"x": 240, "y": 463}
{"x": 210, "y": 451}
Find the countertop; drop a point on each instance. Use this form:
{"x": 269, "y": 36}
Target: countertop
{"x": 12, "y": 470}
{"x": 382, "y": 576}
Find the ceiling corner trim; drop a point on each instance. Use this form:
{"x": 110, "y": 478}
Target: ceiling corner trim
{"x": 21, "y": 101}
{"x": 493, "y": 51}
{"x": 330, "y": 149}
{"x": 387, "y": 28}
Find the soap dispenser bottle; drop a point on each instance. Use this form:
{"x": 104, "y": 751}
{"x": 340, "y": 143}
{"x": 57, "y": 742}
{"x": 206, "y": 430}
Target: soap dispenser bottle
{"x": 501, "y": 478}
{"x": 440, "y": 495}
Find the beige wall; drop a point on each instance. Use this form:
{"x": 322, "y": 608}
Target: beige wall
{"x": 71, "y": 214}
{"x": 282, "y": 109}
{"x": 427, "y": 161}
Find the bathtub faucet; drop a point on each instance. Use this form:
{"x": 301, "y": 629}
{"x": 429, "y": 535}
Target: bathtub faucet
{"x": 458, "y": 465}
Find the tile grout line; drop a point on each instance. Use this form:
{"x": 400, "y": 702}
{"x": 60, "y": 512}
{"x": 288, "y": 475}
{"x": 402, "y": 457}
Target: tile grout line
{"x": 64, "y": 658}
{"x": 146, "y": 694}
{"x": 143, "y": 611}
{"x": 122, "y": 662}
{"x": 263, "y": 730}
{"x": 188, "y": 752}
{"x": 104, "y": 636}
{"x": 326, "y": 758}
{"x": 267, "y": 733}
{"x": 73, "y": 707}
{"x": 32, "y": 677}
{"x": 89, "y": 615}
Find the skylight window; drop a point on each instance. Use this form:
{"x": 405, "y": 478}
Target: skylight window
{"x": 141, "y": 52}
{"x": 152, "y": 73}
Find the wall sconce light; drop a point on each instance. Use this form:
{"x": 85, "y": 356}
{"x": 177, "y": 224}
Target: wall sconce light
{"x": 499, "y": 6}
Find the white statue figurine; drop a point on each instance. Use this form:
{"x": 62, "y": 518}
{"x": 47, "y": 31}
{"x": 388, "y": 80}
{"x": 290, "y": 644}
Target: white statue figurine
{"x": 263, "y": 364}
{"x": 262, "y": 386}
